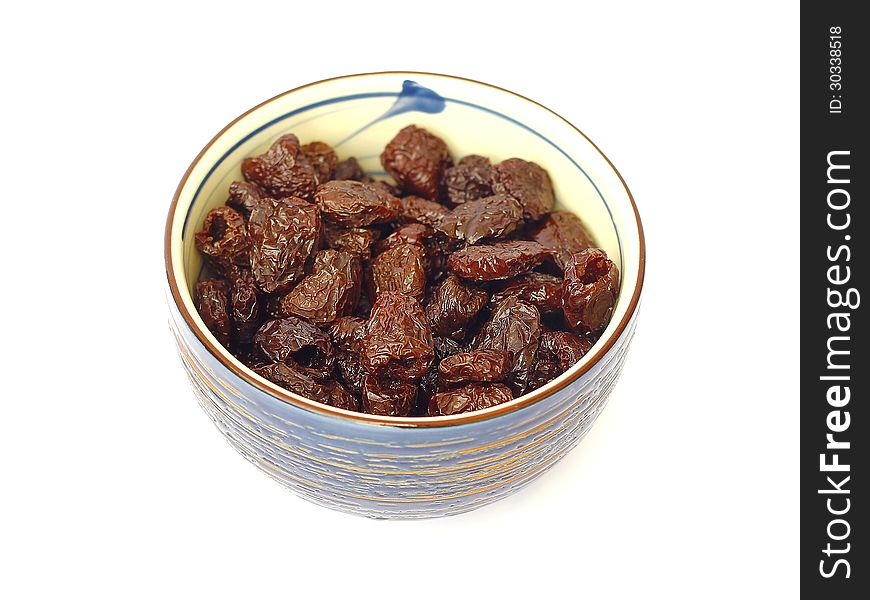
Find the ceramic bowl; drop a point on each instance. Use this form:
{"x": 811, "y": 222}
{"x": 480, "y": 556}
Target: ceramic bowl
{"x": 391, "y": 467}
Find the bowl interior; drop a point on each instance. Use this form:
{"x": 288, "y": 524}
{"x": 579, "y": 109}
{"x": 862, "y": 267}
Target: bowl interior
{"x": 358, "y": 115}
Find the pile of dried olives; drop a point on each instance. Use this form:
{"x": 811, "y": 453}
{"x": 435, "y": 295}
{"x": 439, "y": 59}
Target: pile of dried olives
{"x": 455, "y": 289}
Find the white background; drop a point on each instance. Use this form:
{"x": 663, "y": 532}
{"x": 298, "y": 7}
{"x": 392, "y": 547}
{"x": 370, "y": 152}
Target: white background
{"x": 116, "y": 485}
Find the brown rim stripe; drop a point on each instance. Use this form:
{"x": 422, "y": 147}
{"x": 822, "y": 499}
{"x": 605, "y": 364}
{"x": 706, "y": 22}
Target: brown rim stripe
{"x": 411, "y": 422}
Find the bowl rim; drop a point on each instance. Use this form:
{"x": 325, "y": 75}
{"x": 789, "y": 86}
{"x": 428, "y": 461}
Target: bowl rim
{"x": 223, "y": 356}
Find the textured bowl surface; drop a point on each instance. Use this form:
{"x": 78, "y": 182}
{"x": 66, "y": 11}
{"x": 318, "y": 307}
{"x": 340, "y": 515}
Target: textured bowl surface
{"x": 386, "y": 467}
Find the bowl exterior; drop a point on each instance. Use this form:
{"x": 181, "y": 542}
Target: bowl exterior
{"x": 389, "y": 472}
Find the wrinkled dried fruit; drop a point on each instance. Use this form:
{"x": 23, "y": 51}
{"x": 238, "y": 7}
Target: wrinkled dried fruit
{"x": 411, "y": 233}
{"x": 322, "y": 157}
{"x": 339, "y": 397}
{"x": 283, "y": 170}
{"x": 514, "y": 327}
{"x": 445, "y": 346}
{"x": 244, "y": 197}
{"x": 330, "y": 291}
{"x": 347, "y": 333}
{"x": 545, "y": 371}
{"x": 487, "y": 218}
{"x": 477, "y": 366}
{"x": 349, "y": 169}
{"x": 356, "y": 204}
{"x": 211, "y": 297}
{"x": 357, "y": 240}
{"x": 297, "y": 239}
{"x": 496, "y": 261}
{"x": 398, "y": 340}
{"x": 471, "y": 178}
{"x": 563, "y": 234}
{"x": 453, "y": 305}
{"x": 244, "y": 305}
{"x": 349, "y": 371}
{"x": 540, "y": 289}
{"x": 423, "y": 211}
{"x": 589, "y": 291}
{"x": 382, "y": 396}
{"x": 423, "y": 236}
{"x": 298, "y": 380}
{"x": 294, "y": 339}
{"x": 416, "y": 159}
{"x": 528, "y": 183}
{"x": 563, "y": 346}
{"x": 427, "y": 388}
{"x": 224, "y": 238}
{"x": 283, "y": 234}
{"x": 399, "y": 269}
{"x": 475, "y": 396}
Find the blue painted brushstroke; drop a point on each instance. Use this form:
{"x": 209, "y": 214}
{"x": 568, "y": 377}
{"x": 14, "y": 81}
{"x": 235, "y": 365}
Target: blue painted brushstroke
{"x": 413, "y": 98}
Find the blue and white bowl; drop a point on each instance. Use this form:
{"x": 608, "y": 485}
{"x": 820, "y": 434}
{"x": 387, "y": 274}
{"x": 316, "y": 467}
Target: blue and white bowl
{"x": 392, "y": 467}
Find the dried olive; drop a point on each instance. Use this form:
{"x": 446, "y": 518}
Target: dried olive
{"x": 283, "y": 170}
{"x": 514, "y": 327}
{"x": 565, "y": 347}
{"x": 398, "y": 339}
{"x": 322, "y": 157}
{"x": 410, "y": 233}
{"x": 349, "y": 371}
{"x": 330, "y": 291}
{"x": 211, "y": 297}
{"x": 356, "y": 204}
{"x": 475, "y": 396}
{"x": 284, "y": 235}
{"x": 453, "y": 305}
{"x": 347, "y": 333}
{"x": 540, "y": 289}
{"x": 244, "y": 304}
{"x": 387, "y": 397}
{"x": 501, "y": 260}
{"x": 244, "y": 197}
{"x": 416, "y": 159}
{"x": 528, "y": 183}
{"x": 399, "y": 269}
{"x": 224, "y": 239}
{"x": 471, "y": 178}
{"x": 423, "y": 211}
{"x": 298, "y": 380}
{"x": 446, "y": 346}
{"x": 477, "y": 366}
{"x": 563, "y": 234}
{"x": 546, "y": 370}
{"x": 589, "y": 291}
{"x": 294, "y": 339}
{"x": 356, "y": 240}
{"x": 488, "y": 218}
{"x": 427, "y": 388}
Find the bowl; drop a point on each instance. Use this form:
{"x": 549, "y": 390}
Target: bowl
{"x": 394, "y": 467}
